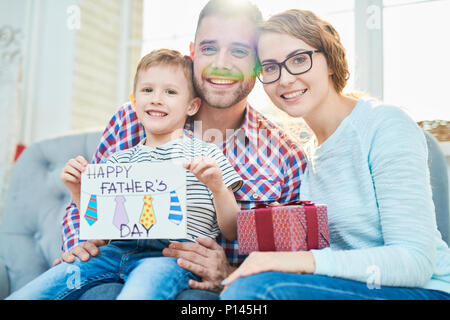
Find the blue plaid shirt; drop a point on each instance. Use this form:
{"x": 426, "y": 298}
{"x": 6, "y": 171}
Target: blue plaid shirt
{"x": 269, "y": 162}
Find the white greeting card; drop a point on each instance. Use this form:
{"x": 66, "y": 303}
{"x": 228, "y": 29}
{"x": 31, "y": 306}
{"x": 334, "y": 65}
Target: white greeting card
{"x": 133, "y": 201}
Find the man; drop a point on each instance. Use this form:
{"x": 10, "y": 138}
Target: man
{"x": 225, "y": 68}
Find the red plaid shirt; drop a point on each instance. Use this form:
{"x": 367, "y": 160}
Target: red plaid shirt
{"x": 268, "y": 161}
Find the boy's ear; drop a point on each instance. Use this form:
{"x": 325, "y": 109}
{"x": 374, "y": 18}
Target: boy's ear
{"x": 194, "y": 106}
{"x": 133, "y": 101}
{"x": 191, "y": 50}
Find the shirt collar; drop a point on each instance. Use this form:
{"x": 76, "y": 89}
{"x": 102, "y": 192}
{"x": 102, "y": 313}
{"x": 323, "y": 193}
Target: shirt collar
{"x": 249, "y": 126}
{"x": 251, "y": 122}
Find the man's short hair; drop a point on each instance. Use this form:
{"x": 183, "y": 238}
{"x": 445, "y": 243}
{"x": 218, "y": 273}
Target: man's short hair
{"x": 231, "y": 8}
{"x": 166, "y": 57}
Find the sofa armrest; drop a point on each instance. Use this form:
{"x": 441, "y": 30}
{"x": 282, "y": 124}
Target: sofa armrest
{"x": 4, "y": 281}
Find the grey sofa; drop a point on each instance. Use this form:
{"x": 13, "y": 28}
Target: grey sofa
{"x": 30, "y": 229}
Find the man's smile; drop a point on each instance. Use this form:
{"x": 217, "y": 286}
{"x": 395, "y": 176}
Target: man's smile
{"x": 222, "y": 78}
{"x": 221, "y": 81}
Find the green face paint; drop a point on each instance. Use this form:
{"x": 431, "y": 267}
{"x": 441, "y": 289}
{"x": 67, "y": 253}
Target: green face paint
{"x": 257, "y": 68}
{"x": 221, "y": 73}
{"x": 253, "y": 71}
{"x": 210, "y": 72}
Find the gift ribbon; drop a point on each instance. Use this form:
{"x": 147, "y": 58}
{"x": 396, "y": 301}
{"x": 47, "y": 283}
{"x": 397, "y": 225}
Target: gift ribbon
{"x": 264, "y": 229}
{"x": 264, "y": 224}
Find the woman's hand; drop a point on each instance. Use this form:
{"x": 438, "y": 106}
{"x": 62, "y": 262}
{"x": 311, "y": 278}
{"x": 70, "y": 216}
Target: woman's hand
{"x": 257, "y": 262}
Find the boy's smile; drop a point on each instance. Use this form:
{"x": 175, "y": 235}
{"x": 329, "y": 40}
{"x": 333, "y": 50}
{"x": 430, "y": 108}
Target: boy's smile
{"x": 155, "y": 114}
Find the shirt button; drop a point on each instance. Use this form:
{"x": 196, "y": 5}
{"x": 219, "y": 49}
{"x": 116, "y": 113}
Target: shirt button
{"x": 255, "y": 196}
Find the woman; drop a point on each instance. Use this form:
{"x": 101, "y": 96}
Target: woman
{"x": 368, "y": 163}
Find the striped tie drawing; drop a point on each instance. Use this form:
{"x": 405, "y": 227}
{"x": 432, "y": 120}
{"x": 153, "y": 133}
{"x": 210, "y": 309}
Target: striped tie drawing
{"x": 175, "y": 212}
{"x": 91, "y": 212}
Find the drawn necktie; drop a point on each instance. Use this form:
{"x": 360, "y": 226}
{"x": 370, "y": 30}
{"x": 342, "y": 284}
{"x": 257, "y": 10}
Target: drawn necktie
{"x": 91, "y": 212}
{"x": 120, "y": 214}
{"x": 175, "y": 212}
{"x": 147, "y": 218}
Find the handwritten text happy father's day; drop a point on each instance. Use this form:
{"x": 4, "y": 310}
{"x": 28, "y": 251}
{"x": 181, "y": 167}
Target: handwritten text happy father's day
{"x": 122, "y": 184}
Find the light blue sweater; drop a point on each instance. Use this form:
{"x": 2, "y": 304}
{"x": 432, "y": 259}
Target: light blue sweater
{"x": 373, "y": 175}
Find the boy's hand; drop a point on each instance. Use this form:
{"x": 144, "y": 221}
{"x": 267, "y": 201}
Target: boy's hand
{"x": 83, "y": 251}
{"x": 71, "y": 174}
{"x": 207, "y": 172}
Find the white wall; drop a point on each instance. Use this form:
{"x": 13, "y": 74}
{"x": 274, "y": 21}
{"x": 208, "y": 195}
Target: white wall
{"x": 49, "y": 69}
{"x": 35, "y": 75}
{"x": 106, "y": 57}
{"x": 11, "y": 46}
{"x": 43, "y": 90}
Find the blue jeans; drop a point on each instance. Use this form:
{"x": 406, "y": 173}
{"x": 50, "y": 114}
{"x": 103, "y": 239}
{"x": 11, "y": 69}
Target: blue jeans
{"x": 289, "y": 286}
{"x": 138, "y": 263}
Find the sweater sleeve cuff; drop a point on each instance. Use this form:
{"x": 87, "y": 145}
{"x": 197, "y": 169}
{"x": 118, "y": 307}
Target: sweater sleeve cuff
{"x": 323, "y": 261}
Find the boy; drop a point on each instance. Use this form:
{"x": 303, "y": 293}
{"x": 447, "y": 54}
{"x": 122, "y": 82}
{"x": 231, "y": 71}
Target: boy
{"x": 164, "y": 97}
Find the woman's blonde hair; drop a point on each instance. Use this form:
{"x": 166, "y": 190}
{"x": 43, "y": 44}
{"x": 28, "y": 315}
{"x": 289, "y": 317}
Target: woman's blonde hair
{"x": 308, "y": 27}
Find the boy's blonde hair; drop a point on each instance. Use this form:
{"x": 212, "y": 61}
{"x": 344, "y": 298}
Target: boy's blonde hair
{"x": 308, "y": 27}
{"x": 166, "y": 57}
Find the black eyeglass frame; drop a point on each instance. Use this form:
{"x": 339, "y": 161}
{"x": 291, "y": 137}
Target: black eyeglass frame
{"x": 283, "y": 64}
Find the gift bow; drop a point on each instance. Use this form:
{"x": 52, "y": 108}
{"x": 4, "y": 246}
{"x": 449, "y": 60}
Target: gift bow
{"x": 286, "y": 204}
{"x": 264, "y": 224}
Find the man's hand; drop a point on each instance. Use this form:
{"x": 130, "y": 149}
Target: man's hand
{"x": 205, "y": 258}
{"x": 83, "y": 251}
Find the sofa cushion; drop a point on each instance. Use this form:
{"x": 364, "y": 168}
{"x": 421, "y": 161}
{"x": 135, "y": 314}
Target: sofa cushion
{"x": 35, "y": 202}
{"x": 439, "y": 185}
{"x": 30, "y": 229}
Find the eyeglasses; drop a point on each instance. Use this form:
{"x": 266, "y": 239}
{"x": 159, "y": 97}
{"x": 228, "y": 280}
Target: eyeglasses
{"x": 295, "y": 65}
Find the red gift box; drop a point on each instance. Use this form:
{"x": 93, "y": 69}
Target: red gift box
{"x": 293, "y": 226}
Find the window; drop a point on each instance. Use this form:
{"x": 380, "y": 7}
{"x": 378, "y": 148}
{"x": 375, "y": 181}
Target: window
{"x": 416, "y": 64}
{"x": 172, "y": 23}
{"x": 411, "y": 72}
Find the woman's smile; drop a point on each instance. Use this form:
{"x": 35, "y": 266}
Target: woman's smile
{"x": 292, "y": 96}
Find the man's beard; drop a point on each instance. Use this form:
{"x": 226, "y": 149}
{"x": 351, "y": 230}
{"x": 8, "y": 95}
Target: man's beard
{"x": 223, "y": 99}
